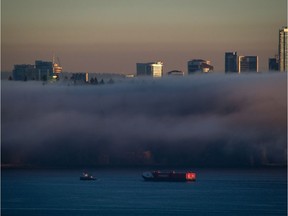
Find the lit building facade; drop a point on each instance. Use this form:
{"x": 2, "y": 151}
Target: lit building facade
{"x": 199, "y": 65}
{"x": 231, "y": 62}
{"x": 57, "y": 69}
{"x": 283, "y": 52}
{"x": 154, "y": 69}
{"x": 247, "y": 64}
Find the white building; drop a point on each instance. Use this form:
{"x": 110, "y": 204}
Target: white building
{"x": 154, "y": 69}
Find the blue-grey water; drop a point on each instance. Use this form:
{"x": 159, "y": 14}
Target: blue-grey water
{"x": 123, "y": 192}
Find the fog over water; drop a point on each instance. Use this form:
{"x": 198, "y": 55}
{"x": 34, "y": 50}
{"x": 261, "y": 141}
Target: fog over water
{"x": 202, "y": 120}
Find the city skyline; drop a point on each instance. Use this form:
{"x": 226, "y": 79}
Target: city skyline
{"x": 110, "y": 36}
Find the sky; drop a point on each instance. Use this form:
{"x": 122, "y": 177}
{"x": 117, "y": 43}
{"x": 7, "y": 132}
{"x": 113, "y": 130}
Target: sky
{"x": 197, "y": 121}
{"x": 112, "y": 36}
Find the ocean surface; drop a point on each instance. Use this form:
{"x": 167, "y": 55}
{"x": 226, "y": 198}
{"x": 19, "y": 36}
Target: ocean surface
{"x": 123, "y": 192}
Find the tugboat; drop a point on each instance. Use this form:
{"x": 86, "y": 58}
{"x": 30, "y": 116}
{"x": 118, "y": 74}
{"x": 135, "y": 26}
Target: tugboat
{"x": 169, "y": 176}
{"x": 86, "y": 176}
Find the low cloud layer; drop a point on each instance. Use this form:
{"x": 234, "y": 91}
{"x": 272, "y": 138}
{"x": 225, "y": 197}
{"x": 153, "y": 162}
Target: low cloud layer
{"x": 202, "y": 120}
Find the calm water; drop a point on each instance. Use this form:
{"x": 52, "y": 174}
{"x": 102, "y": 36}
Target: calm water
{"x": 123, "y": 192}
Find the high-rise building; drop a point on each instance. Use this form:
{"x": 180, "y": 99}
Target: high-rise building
{"x": 25, "y": 72}
{"x": 154, "y": 69}
{"x": 247, "y": 63}
{"x": 273, "y": 64}
{"x": 231, "y": 62}
{"x": 199, "y": 65}
{"x": 42, "y": 70}
{"x": 283, "y": 50}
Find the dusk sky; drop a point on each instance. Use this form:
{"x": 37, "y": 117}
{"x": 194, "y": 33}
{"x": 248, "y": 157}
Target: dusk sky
{"x": 110, "y": 36}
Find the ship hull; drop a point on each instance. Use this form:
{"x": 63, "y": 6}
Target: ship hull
{"x": 87, "y": 178}
{"x": 169, "y": 176}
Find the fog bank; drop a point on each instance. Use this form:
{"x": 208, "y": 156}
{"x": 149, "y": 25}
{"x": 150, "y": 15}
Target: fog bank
{"x": 202, "y": 120}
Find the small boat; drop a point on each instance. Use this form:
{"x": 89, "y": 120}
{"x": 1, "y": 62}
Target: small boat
{"x": 169, "y": 176}
{"x": 86, "y": 176}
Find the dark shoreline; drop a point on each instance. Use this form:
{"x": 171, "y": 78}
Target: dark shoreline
{"x": 143, "y": 167}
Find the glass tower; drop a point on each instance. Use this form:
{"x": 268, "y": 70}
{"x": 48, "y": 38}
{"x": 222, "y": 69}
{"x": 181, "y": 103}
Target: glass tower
{"x": 231, "y": 62}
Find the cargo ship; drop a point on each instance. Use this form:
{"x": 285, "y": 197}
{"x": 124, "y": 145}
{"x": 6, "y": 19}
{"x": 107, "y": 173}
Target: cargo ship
{"x": 169, "y": 176}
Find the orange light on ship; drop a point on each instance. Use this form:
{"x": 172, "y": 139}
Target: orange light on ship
{"x": 190, "y": 176}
